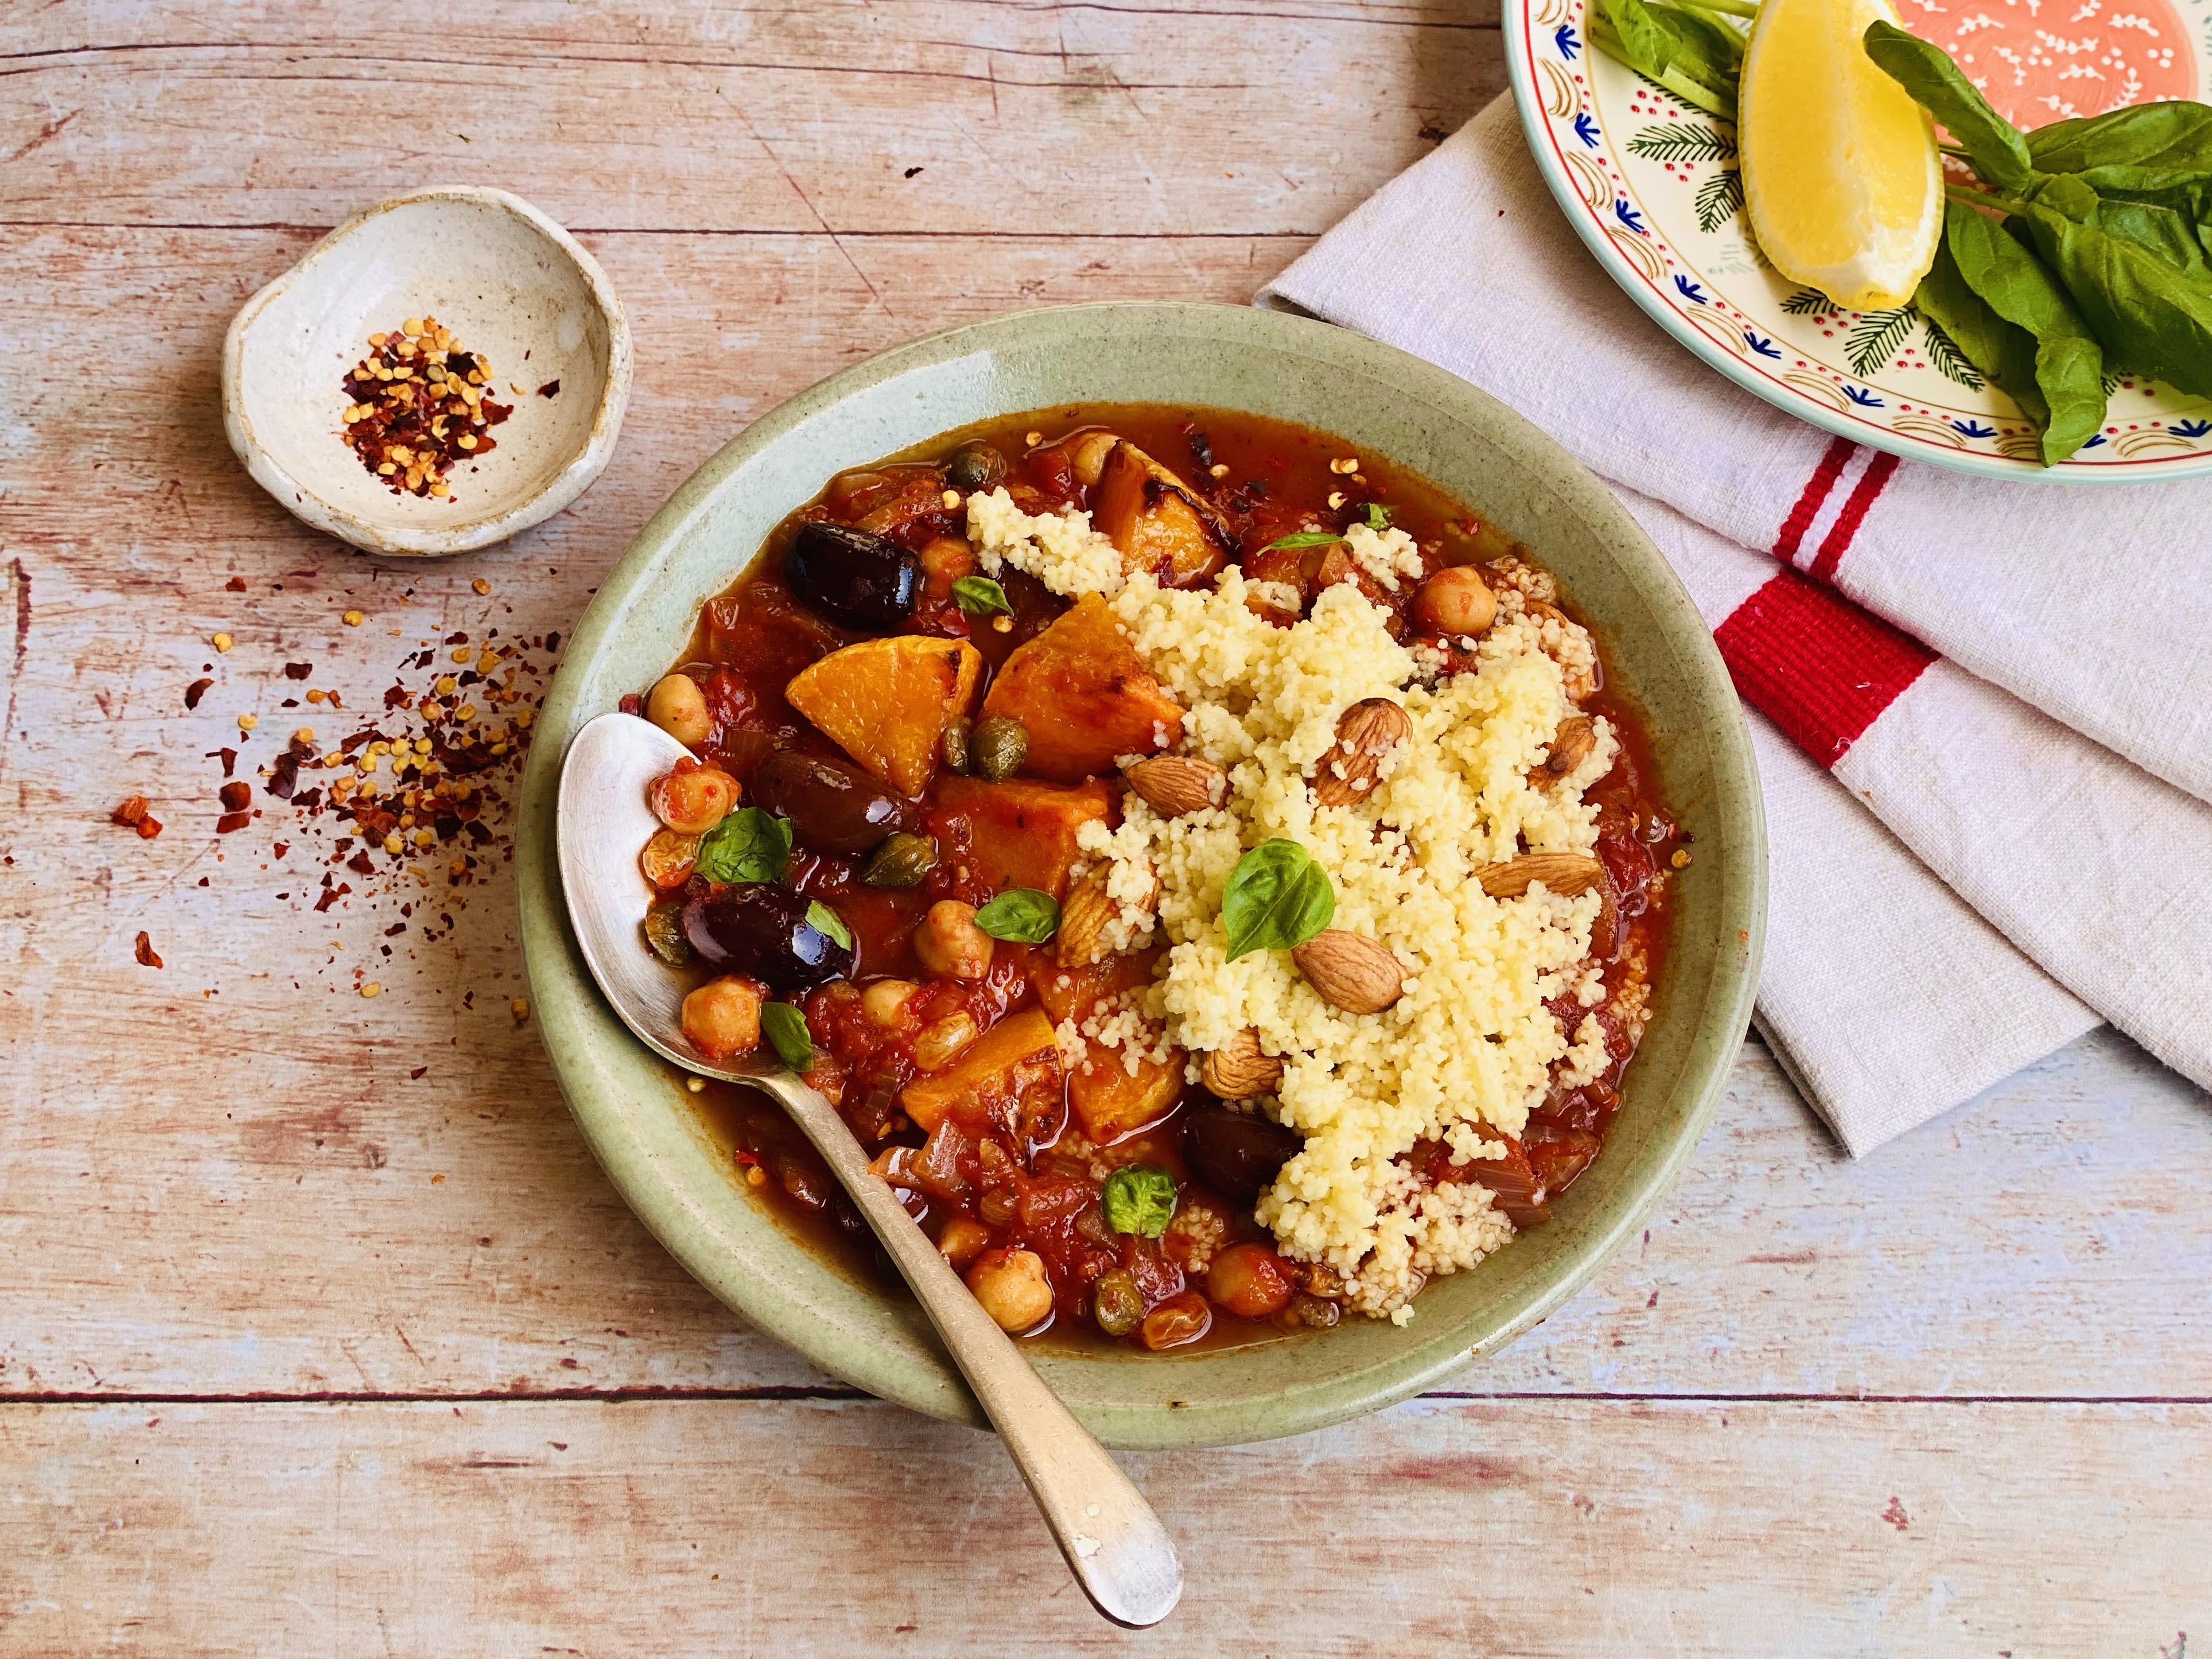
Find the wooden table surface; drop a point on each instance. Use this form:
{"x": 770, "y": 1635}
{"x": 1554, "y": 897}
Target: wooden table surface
{"x": 320, "y": 1331}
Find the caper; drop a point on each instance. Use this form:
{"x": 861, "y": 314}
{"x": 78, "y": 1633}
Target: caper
{"x": 901, "y": 861}
{"x": 999, "y": 745}
{"x": 975, "y": 466}
{"x": 663, "y": 932}
{"x": 1116, "y": 1302}
{"x": 954, "y": 746}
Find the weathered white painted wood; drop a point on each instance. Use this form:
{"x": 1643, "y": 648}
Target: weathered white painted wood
{"x": 1071, "y": 118}
{"x": 1523, "y": 1528}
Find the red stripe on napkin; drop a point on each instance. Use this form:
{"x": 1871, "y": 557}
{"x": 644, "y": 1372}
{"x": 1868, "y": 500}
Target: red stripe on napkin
{"x": 1816, "y": 665}
{"x": 1808, "y": 501}
{"x": 1855, "y": 511}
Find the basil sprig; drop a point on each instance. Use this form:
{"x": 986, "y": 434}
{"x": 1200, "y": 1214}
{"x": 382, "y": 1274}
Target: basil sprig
{"x": 1378, "y": 515}
{"x": 1303, "y": 539}
{"x": 978, "y": 596}
{"x": 787, "y": 1032}
{"x": 2103, "y": 263}
{"x": 1021, "y": 915}
{"x": 748, "y": 845}
{"x": 1277, "y": 898}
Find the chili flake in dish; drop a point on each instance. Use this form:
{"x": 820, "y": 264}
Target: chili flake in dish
{"x": 417, "y": 404}
{"x": 1213, "y": 895}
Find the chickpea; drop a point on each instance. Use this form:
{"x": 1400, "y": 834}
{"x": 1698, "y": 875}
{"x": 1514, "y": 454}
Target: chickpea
{"x": 678, "y": 708}
{"x": 1454, "y": 602}
{"x": 1250, "y": 1280}
{"x": 885, "y": 1000}
{"x": 949, "y": 943}
{"x": 722, "y": 1017}
{"x": 946, "y": 559}
{"x": 962, "y": 1241}
{"x": 1088, "y": 459}
{"x": 693, "y": 801}
{"x": 1013, "y": 1287}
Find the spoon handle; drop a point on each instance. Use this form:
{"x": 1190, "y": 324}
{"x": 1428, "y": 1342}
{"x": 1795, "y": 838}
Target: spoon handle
{"x": 1115, "y": 1544}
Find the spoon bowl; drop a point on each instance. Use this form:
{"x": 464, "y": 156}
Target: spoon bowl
{"x": 1114, "y": 1543}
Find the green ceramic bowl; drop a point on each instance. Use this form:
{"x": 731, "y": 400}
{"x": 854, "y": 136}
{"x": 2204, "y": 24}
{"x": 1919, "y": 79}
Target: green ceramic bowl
{"x": 632, "y": 1108}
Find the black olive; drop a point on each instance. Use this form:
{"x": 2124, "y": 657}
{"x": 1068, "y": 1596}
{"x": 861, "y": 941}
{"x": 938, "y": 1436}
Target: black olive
{"x": 852, "y": 576}
{"x": 833, "y": 808}
{"x": 756, "y": 928}
{"x": 1238, "y": 1154}
{"x": 975, "y": 466}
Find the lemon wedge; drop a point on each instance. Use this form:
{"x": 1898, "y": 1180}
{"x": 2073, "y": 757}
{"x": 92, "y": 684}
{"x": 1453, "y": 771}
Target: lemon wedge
{"x": 1840, "y": 173}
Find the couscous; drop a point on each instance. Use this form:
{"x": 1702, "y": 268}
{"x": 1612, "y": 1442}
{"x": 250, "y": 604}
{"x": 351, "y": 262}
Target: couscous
{"x": 1203, "y": 865}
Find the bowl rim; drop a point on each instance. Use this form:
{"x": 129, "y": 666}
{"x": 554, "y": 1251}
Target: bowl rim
{"x": 1723, "y": 1017}
{"x": 428, "y": 542}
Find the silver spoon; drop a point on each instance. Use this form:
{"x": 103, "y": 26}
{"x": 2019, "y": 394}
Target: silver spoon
{"x": 1115, "y": 1544}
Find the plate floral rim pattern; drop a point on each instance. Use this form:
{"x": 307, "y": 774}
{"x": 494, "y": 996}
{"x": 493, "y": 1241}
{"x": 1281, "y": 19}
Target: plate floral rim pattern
{"x": 1650, "y": 185}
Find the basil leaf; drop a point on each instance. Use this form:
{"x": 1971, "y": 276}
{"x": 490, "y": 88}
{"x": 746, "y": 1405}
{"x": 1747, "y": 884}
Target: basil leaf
{"x": 2069, "y": 363}
{"x": 1139, "y": 1198}
{"x": 2161, "y": 231}
{"x": 1277, "y": 897}
{"x": 2148, "y": 315}
{"x": 786, "y": 1027}
{"x": 1939, "y": 86}
{"x": 1022, "y": 914}
{"x": 1303, "y": 539}
{"x": 978, "y": 596}
{"x": 824, "y": 920}
{"x": 2158, "y": 153}
{"x": 748, "y": 845}
{"x": 1694, "y": 56}
{"x": 1378, "y": 516}
{"x": 2004, "y": 352}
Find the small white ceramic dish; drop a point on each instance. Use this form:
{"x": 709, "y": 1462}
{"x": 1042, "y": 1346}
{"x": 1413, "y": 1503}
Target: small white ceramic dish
{"x": 513, "y": 286}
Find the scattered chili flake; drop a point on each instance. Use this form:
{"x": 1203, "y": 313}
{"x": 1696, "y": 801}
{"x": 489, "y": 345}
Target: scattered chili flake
{"x": 416, "y": 404}
{"x": 236, "y": 585}
{"x": 133, "y": 814}
{"x": 297, "y": 671}
{"x": 195, "y": 691}
{"x": 145, "y": 953}
{"x": 520, "y": 1009}
{"x": 235, "y": 795}
{"x": 230, "y": 822}
{"x": 415, "y": 1076}
{"x": 550, "y": 389}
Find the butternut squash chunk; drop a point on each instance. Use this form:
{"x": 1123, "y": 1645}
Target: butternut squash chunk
{"x": 1083, "y": 694}
{"x": 886, "y": 703}
{"x": 1155, "y": 521}
{"x": 1018, "y": 1054}
{"x": 1018, "y": 834}
{"x": 1108, "y": 1101}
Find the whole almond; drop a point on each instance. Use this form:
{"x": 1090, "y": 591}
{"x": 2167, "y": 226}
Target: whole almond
{"x": 1084, "y": 915}
{"x": 1563, "y": 873}
{"x": 1238, "y": 1070}
{"x": 1173, "y": 785}
{"x": 1365, "y": 732}
{"x": 1571, "y": 744}
{"x": 1352, "y": 971}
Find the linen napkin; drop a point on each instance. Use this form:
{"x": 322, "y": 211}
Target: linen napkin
{"x": 2004, "y": 627}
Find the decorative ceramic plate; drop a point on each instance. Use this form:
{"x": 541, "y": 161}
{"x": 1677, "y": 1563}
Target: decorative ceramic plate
{"x": 1651, "y": 184}
{"x": 632, "y": 1106}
